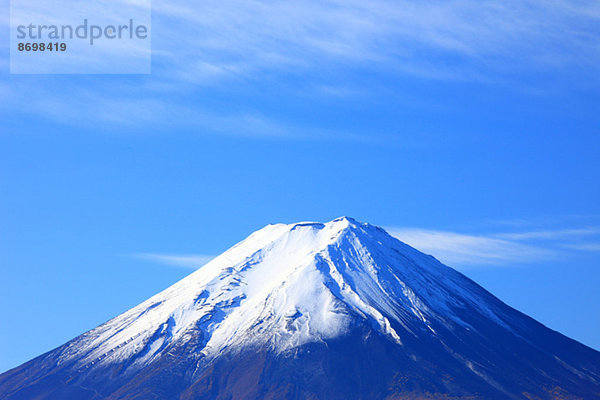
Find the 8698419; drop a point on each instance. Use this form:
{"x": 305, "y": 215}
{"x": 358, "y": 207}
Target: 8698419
{"x": 50, "y": 46}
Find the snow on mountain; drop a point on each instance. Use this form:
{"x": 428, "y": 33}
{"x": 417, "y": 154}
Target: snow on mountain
{"x": 287, "y": 285}
{"x": 298, "y": 298}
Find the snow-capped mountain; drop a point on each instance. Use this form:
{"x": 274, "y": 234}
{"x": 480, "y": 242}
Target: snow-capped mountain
{"x": 339, "y": 310}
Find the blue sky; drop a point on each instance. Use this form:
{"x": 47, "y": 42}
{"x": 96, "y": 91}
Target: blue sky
{"x": 468, "y": 129}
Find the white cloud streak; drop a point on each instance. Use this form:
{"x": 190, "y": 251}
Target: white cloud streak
{"x": 476, "y": 38}
{"x": 584, "y": 246}
{"x": 549, "y": 234}
{"x": 233, "y": 36}
{"x": 458, "y": 249}
{"x": 503, "y": 249}
{"x": 193, "y": 261}
{"x": 241, "y": 41}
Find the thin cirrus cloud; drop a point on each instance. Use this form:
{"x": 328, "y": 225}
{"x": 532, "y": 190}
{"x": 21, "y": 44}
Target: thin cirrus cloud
{"x": 193, "y": 261}
{"x": 550, "y": 234}
{"x": 502, "y": 249}
{"x": 592, "y": 246}
{"x": 458, "y": 249}
{"x": 220, "y": 43}
{"x": 477, "y": 39}
{"x": 209, "y": 40}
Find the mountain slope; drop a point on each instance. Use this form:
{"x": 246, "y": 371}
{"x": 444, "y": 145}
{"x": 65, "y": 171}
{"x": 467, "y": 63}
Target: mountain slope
{"x": 326, "y": 311}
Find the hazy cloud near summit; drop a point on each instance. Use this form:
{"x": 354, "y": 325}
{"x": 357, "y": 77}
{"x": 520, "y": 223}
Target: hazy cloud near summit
{"x": 463, "y": 250}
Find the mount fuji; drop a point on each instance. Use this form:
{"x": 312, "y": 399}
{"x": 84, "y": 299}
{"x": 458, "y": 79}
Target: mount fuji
{"x": 337, "y": 310}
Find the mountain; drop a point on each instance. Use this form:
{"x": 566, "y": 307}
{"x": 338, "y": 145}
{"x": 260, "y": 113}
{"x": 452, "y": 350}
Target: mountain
{"x": 339, "y": 310}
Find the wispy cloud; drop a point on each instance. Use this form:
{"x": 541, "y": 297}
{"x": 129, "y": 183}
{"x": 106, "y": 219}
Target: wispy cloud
{"x": 476, "y": 38}
{"x": 233, "y": 42}
{"x": 246, "y": 38}
{"x": 178, "y": 260}
{"x": 584, "y": 246}
{"x": 554, "y": 221}
{"x": 458, "y": 249}
{"x": 550, "y": 234}
{"x": 514, "y": 248}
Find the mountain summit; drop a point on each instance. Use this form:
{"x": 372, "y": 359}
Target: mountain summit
{"x": 337, "y": 310}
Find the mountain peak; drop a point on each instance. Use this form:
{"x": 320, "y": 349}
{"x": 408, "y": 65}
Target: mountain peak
{"x": 287, "y": 285}
{"x": 338, "y": 223}
{"x": 348, "y": 220}
{"x": 290, "y": 290}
